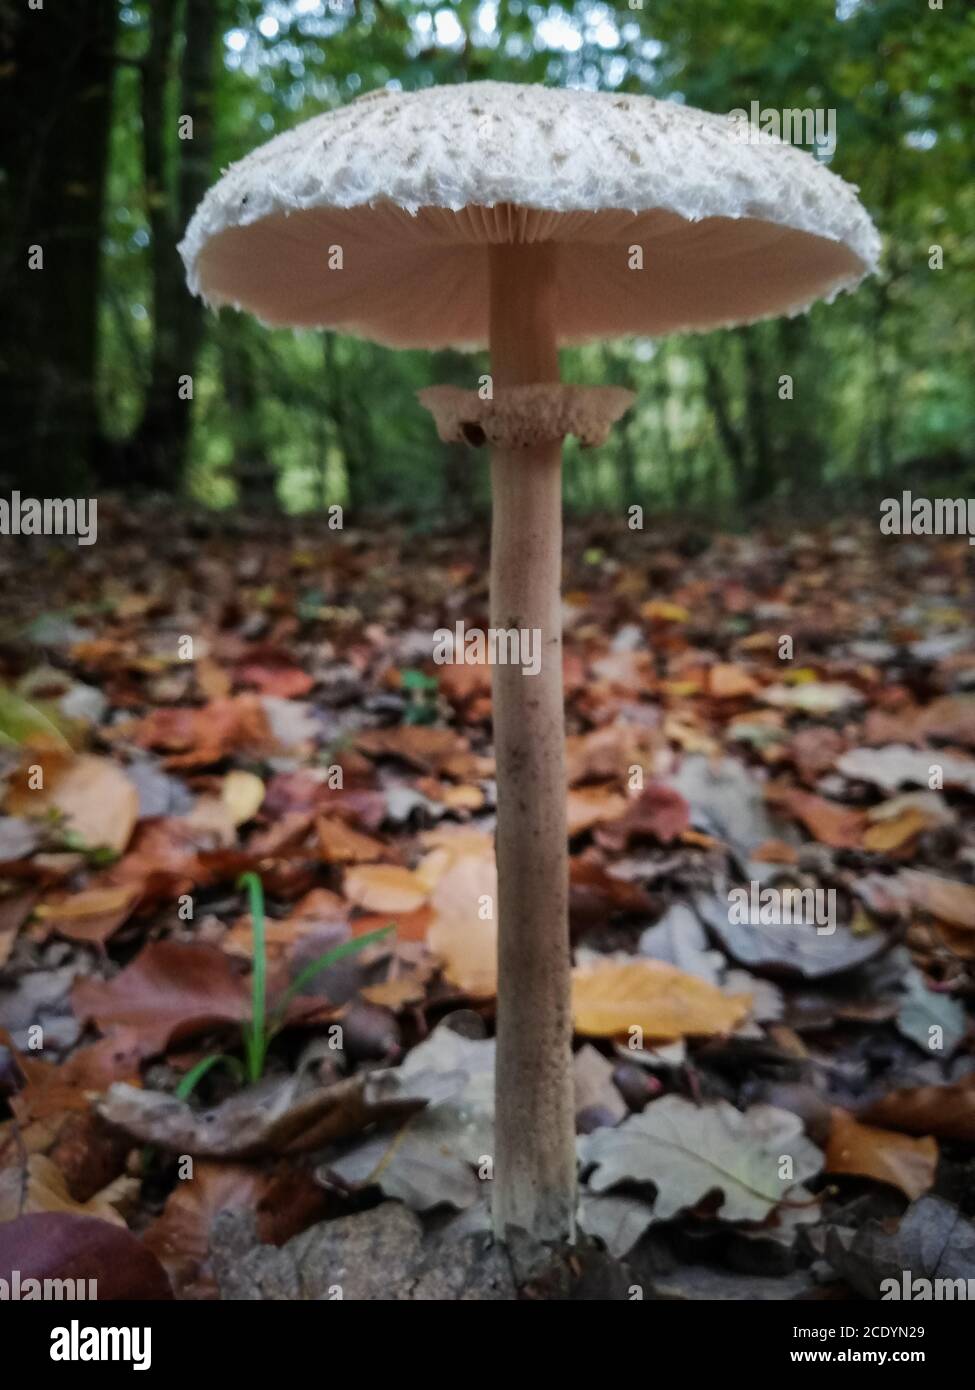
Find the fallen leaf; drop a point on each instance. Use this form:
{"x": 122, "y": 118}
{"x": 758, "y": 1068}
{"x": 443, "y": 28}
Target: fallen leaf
{"x": 899, "y": 766}
{"x": 429, "y": 750}
{"x": 867, "y": 1152}
{"x": 589, "y": 806}
{"x": 813, "y": 697}
{"x": 463, "y": 931}
{"x": 947, "y": 1112}
{"x": 290, "y": 1116}
{"x": 338, "y": 843}
{"x": 242, "y": 793}
{"x": 944, "y": 898}
{"x": 729, "y": 682}
{"x": 384, "y": 888}
{"x": 98, "y": 802}
{"x": 931, "y": 1018}
{"x": 841, "y": 827}
{"x": 933, "y": 1241}
{"x": 169, "y": 993}
{"x": 47, "y": 1191}
{"x": 92, "y": 915}
{"x": 689, "y": 1151}
{"x": 658, "y": 813}
{"x": 433, "y": 1159}
{"x": 610, "y": 998}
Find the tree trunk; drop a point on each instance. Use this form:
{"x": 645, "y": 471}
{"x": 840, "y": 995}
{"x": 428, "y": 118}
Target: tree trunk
{"x": 161, "y": 441}
{"x": 56, "y": 154}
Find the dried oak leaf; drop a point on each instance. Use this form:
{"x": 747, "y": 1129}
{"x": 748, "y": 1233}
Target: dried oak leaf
{"x": 43, "y": 1188}
{"x": 690, "y": 1151}
{"x": 296, "y": 1115}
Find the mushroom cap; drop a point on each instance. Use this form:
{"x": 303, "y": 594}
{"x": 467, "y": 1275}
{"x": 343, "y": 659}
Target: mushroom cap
{"x": 413, "y": 186}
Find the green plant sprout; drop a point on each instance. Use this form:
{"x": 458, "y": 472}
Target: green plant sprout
{"x": 263, "y": 1026}
{"x": 422, "y": 690}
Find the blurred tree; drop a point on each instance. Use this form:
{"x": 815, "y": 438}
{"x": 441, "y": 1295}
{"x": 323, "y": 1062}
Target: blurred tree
{"x": 56, "y": 87}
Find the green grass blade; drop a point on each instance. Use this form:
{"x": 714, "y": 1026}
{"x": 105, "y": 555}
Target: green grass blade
{"x": 255, "y": 1036}
{"x": 347, "y": 948}
{"x": 196, "y": 1074}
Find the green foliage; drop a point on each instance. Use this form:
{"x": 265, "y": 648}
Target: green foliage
{"x": 260, "y": 1030}
{"x": 882, "y": 377}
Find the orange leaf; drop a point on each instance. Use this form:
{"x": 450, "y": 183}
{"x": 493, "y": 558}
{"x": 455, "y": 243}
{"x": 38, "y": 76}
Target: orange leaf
{"x": 613, "y": 996}
{"x": 867, "y": 1152}
{"x": 384, "y": 888}
{"x": 340, "y": 844}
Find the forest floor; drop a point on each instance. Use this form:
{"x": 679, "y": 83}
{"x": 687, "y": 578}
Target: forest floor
{"x": 766, "y": 1109}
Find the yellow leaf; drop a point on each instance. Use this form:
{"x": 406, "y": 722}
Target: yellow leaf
{"x": 242, "y": 793}
{"x": 659, "y": 610}
{"x": 666, "y": 1003}
{"x": 384, "y": 888}
{"x": 464, "y": 930}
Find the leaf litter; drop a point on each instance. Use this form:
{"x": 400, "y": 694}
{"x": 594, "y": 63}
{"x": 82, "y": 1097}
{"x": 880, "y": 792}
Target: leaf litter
{"x": 708, "y": 1049}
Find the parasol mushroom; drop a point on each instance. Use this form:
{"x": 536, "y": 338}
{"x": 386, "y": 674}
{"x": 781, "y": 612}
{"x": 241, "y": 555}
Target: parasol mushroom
{"x": 525, "y": 217}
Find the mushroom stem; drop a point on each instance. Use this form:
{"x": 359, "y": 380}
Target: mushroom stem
{"x": 535, "y": 1165}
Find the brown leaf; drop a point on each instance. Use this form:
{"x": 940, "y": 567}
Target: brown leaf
{"x": 291, "y": 1116}
{"x": 948, "y": 1112}
{"x": 952, "y": 718}
{"x": 46, "y": 1190}
{"x": 285, "y": 681}
{"x": 15, "y": 908}
{"x": 428, "y": 750}
{"x": 729, "y": 682}
{"x": 340, "y": 844}
{"x": 180, "y": 1237}
{"x": 199, "y": 737}
{"x": 894, "y": 832}
{"x": 944, "y": 898}
{"x": 659, "y": 813}
{"x": 410, "y": 926}
{"x": 867, "y": 1152}
{"x": 92, "y": 915}
{"x": 828, "y": 822}
{"x": 589, "y": 806}
{"x": 594, "y": 894}
{"x": 169, "y": 993}
{"x": 56, "y": 1090}
{"x": 317, "y": 913}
